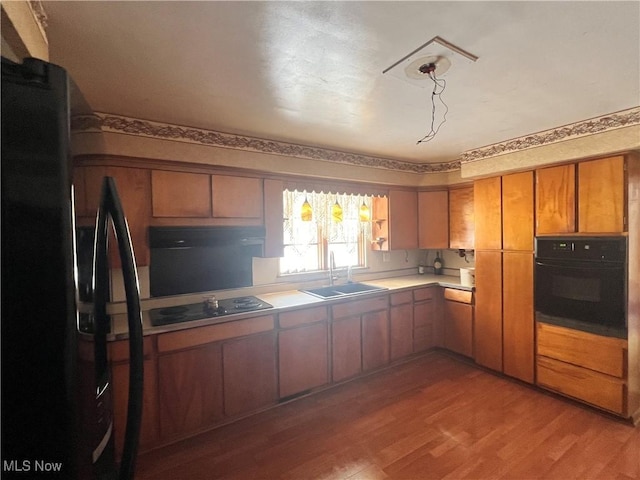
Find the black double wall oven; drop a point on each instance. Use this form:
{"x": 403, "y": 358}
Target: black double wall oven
{"x": 580, "y": 283}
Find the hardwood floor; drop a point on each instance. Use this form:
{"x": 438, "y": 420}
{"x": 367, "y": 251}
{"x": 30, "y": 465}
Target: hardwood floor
{"x": 434, "y": 417}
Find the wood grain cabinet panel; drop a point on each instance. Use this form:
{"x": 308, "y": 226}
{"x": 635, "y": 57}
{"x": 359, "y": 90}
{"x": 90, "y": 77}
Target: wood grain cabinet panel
{"x": 273, "y": 218}
{"x": 427, "y": 326}
{"x": 150, "y": 429}
{"x": 461, "y": 218}
{"x": 401, "y": 330}
{"x": 375, "y": 340}
{"x": 487, "y": 204}
{"x": 303, "y": 358}
{"x": 346, "y": 339}
{"x": 190, "y": 390}
{"x": 134, "y": 190}
{"x": 236, "y": 197}
{"x": 433, "y": 219}
{"x": 488, "y": 310}
{"x": 556, "y": 199}
{"x": 517, "y": 211}
{"x": 458, "y": 327}
{"x": 601, "y": 198}
{"x": 249, "y": 372}
{"x": 403, "y": 220}
{"x": 517, "y": 313}
{"x": 180, "y": 194}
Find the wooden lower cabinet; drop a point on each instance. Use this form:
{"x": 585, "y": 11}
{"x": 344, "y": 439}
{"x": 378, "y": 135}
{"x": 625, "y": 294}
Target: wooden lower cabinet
{"x": 401, "y": 329}
{"x": 149, "y": 432}
{"x": 190, "y": 390}
{"x": 249, "y": 371}
{"x": 375, "y": 340}
{"x": 303, "y": 358}
{"x": 458, "y": 321}
{"x": 427, "y": 326}
{"x": 582, "y": 365}
{"x": 346, "y": 339}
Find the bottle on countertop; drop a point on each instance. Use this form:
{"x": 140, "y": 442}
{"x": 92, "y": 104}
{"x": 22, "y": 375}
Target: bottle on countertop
{"x": 437, "y": 264}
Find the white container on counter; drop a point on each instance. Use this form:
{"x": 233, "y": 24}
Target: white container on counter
{"x": 468, "y": 277}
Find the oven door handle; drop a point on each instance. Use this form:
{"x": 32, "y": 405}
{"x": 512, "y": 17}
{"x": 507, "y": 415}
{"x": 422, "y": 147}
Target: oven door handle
{"x": 581, "y": 265}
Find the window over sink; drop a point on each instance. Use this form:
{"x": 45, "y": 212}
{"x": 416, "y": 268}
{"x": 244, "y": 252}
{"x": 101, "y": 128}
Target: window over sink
{"x": 308, "y": 244}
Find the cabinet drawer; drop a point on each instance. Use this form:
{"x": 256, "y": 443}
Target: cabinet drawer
{"x": 359, "y": 307}
{"x": 423, "y": 294}
{"x": 119, "y": 351}
{"x": 581, "y": 383}
{"x": 401, "y": 297}
{"x": 302, "y": 317}
{"x": 602, "y": 354}
{"x": 462, "y": 296}
{"x": 213, "y": 333}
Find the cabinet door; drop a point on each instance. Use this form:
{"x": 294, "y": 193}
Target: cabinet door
{"x": 461, "y": 218}
{"x": 488, "y": 310}
{"x": 249, "y": 370}
{"x": 403, "y": 220}
{"x": 190, "y": 390}
{"x": 487, "y": 196}
{"x": 303, "y": 358}
{"x": 375, "y": 340}
{"x": 517, "y": 211}
{"x": 401, "y": 330}
{"x": 556, "y": 199}
{"x": 273, "y": 218}
{"x": 236, "y": 197}
{"x": 458, "y": 327}
{"x": 601, "y": 199}
{"x": 149, "y": 432}
{"x": 433, "y": 219}
{"x": 424, "y": 328}
{"x": 134, "y": 190}
{"x": 180, "y": 194}
{"x": 518, "y": 320}
{"x": 346, "y": 349}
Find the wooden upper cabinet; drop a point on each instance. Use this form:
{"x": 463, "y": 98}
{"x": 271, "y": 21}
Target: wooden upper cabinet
{"x": 556, "y": 199}
{"x": 180, "y": 194}
{"x": 517, "y": 211}
{"x": 380, "y": 224}
{"x": 273, "y": 218}
{"x": 601, "y": 198}
{"x": 488, "y": 213}
{"x": 433, "y": 219}
{"x": 403, "y": 220}
{"x": 236, "y": 197}
{"x": 134, "y": 190}
{"x": 461, "y": 218}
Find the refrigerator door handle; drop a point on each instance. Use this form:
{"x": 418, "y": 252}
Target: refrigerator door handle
{"x": 110, "y": 206}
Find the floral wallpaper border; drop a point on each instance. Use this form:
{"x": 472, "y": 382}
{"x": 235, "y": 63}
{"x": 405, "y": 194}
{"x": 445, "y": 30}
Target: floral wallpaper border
{"x": 131, "y": 126}
{"x": 604, "y": 123}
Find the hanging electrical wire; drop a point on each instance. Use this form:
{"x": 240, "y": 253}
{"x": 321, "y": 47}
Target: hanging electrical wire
{"x": 439, "y": 85}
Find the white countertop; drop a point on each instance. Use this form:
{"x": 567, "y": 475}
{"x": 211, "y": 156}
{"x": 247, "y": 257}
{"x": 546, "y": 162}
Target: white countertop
{"x": 285, "y": 300}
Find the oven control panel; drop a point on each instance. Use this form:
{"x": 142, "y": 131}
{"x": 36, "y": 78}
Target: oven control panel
{"x": 608, "y": 249}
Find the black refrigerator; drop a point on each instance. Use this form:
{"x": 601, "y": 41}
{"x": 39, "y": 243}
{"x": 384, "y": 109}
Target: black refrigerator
{"x": 57, "y": 418}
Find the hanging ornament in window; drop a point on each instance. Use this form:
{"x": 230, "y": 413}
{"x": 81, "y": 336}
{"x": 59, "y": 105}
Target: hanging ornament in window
{"x": 336, "y": 212}
{"x": 306, "y": 213}
{"x": 365, "y": 213}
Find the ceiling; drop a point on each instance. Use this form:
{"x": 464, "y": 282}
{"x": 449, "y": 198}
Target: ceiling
{"x": 310, "y": 73}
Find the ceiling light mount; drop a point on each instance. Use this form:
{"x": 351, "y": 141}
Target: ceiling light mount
{"x": 414, "y": 67}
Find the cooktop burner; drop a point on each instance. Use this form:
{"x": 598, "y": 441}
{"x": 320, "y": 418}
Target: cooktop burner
{"x": 198, "y": 311}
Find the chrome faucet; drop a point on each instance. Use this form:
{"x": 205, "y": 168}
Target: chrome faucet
{"x": 332, "y": 265}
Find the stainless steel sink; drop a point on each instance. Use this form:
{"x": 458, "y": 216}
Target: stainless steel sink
{"x": 334, "y": 291}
